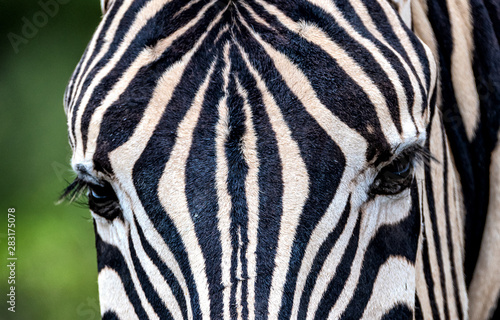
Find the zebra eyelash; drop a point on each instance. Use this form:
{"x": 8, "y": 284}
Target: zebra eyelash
{"x": 421, "y": 155}
{"x": 74, "y": 192}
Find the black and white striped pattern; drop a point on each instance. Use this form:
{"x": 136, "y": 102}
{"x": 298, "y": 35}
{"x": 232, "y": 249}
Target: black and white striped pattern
{"x": 242, "y": 139}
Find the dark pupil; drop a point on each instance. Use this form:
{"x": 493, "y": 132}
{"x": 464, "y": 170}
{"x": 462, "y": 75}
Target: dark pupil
{"x": 101, "y": 193}
{"x": 394, "y": 177}
{"x": 399, "y": 168}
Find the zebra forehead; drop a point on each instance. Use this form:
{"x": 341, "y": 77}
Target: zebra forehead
{"x": 325, "y": 65}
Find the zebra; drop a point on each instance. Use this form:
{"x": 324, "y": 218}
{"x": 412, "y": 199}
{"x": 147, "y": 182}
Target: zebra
{"x": 300, "y": 159}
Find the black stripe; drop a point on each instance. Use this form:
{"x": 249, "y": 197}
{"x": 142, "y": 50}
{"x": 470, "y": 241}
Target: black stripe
{"x": 428, "y": 277}
{"x": 399, "y": 312}
{"x": 493, "y": 10}
{"x": 418, "y": 308}
{"x": 237, "y": 173}
{"x": 110, "y": 315}
{"x": 200, "y": 186}
{"x": 270, "y": 190}
{"x": 449, "y": 238}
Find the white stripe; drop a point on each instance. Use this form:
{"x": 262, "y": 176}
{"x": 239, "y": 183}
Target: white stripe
{"x": 255, "y": 16}
{"x": 188, "y": 5}
{"x": 420, "y": 282}
{"x": 457, "y": 211}
{"x": 172, "y": 195}
{"x": 400, "y": 274}
{"x": 239, "y": 276}
{"x": 113, "y": 297}
{"x": 223, "y": 197}
{"x": 462, "y": 57}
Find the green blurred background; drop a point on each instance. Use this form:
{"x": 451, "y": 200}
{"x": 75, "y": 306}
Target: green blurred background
{"x": 56, "y": 273}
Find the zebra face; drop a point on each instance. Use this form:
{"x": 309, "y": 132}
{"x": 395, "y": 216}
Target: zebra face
{"x": 253, "y": 159}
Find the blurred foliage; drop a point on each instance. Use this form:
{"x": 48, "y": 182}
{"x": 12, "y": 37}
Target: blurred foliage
{"x": 56, "y": 272}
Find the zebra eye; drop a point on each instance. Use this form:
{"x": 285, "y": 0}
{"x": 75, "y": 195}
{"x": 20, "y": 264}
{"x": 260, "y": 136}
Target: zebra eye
{"x": 394, "y": 177}
{"x": 103, "y": 201}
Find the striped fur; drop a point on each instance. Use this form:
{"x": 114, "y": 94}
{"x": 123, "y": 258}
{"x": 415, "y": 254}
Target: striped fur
{"x": 464, "y": 36}
{"x": 243, "y": 138}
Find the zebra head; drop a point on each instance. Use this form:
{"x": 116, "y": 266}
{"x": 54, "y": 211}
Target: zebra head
{"x": 256, "y": 159}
